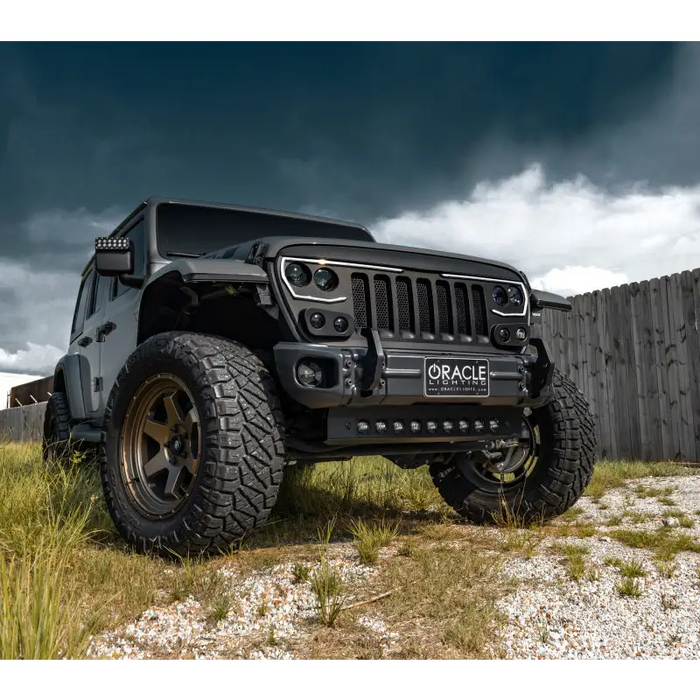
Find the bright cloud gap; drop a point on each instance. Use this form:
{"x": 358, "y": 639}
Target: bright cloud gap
{"x": 568, "y": 237}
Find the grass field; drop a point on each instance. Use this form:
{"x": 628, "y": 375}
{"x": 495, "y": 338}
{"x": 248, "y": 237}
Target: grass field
{"x": 65, "y": 575}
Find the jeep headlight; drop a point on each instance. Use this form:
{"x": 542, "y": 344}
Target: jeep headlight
{"x": 326, "y": 280}
{"x": 297, "y": 274}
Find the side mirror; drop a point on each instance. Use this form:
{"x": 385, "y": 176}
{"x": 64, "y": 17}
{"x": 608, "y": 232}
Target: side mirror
{"x": 114, "y": 256}
{"x": 547, "y": 300}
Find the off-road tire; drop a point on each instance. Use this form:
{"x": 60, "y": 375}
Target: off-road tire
{"x": 55, "y": 446}
{"x": 242, "y": 445}
{"x": 563, "y": 470}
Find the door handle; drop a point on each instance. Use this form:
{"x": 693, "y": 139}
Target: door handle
{"x": 104, "y": 330}
{"x": 85, "y": 341}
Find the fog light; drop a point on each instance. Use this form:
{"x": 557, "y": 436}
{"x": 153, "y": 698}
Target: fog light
{"x": 504, "y": 335}
{"x": 431, "y": 425}
{"x": 380, "y": 426}
{"x": 317, "y": 320}
{"x": 415, "y": 426}
{"x": 447, "y": 426}
{"x": 309, "y": 373}
{"x": 398, "y": 426}
{"x": 521, "y": 334}
{"x": 493, "y": 425}
{"x": 340, "y": 324}
{"x": 362, "y": 426}
{"x": 463, "y": 426}
{"x": 478, "y": 425}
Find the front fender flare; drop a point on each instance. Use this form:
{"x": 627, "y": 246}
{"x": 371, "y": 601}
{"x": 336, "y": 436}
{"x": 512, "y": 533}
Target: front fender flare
{"x": 75, "y": 370}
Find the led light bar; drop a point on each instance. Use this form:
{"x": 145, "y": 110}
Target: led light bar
{"x": 112, "y": 244}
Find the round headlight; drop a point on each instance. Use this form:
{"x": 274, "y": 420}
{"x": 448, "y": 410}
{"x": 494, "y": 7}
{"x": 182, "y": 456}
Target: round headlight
{"x": 515, "y": 296}
{"x": 500, "y": 296}
{"x": 297, "y": 274}
{"x": 326, "y": 280}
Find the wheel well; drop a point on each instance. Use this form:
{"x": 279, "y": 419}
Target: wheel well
{"x": 228, "y": 309}
{"x": 59, "y": 381}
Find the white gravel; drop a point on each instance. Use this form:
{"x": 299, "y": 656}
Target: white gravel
{"x": 552, "y": 617}
{"x": 267, "y": 607}
{"x": 548, "y": 616}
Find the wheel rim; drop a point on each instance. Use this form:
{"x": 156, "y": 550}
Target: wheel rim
{"x": 160, "y": 446}
{"x": 490, "y": 475}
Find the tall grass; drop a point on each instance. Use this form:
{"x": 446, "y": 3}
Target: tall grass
{"x": 58, "y": 581}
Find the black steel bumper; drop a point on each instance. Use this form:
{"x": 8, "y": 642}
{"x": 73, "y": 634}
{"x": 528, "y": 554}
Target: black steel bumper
{"x": 373, "y": 375}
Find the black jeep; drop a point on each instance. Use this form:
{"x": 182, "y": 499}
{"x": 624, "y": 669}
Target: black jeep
{"x": 214, "y": 346}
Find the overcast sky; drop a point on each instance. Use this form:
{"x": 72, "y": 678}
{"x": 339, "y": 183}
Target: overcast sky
{"x": 579, "y": 163}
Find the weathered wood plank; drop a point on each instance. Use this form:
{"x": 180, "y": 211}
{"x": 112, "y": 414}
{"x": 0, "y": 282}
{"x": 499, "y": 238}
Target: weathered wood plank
{"x": 691, "y": 314}
{"x": 650, "y": 399}
{"x": 638, "y": 393}
{"x": 672, "y": 369}
{"x": 603, "y": 416}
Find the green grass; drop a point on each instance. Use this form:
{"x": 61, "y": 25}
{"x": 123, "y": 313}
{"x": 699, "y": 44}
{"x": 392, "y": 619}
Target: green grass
{"x": 684, "y": 520}
{"x": 575, "y": 561}
{"x": 629, "y": 569}
{"x": 629, "y": 587}
{"x": 370, "y": 537}
{"x": 327, "y": 587}
{"x": 612, "y": 475}
{"x": 450, "y": 594}
{"x": 664, "y": 543}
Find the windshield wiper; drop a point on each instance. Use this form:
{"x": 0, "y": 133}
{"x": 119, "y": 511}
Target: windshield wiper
{"x": 183, "y": 255}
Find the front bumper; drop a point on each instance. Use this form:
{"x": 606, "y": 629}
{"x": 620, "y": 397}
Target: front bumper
{"x": 372, "y": 375}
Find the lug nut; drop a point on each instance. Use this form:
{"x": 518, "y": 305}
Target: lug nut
{"x": 521, "y": 334}
{"x": 463, "y": 426}
{"x": 478, "y": 425}
{"x": 504, "y": 335}
{"x": 447, "y": 426}
{"x": 362, "y": 426}
{"x": 432, "y": 426}
{"x": 415, "y": 426}
{"x": 398, "y": 426}
{"x": 380, "y": 426}
{"x": 493, "y": 425}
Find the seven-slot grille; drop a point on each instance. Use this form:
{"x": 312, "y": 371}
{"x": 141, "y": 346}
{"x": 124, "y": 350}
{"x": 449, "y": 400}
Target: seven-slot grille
{"x": 419, "y": 306}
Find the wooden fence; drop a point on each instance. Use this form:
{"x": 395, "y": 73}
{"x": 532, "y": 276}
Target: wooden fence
{"x": 23, "y": 422}
{"x": 634, "y": 351}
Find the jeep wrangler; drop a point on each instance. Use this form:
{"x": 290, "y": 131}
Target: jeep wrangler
{"x": 214, "y": 346}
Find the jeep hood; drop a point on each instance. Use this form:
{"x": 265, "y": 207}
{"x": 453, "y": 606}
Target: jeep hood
{"x": 367, "y": 252}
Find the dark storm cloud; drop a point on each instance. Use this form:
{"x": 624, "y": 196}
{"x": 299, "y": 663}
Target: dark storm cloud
{"x": 360, "y": 131}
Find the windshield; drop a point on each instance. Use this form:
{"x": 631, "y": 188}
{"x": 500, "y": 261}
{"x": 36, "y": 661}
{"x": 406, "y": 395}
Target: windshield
{"x": 184, "y": 229}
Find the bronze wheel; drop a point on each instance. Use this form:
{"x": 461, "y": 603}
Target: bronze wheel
{"x": 192, "y": 450}
{"x": 160, "y": 446}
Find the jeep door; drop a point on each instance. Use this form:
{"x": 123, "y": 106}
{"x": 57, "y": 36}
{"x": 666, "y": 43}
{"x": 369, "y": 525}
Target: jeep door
{"x": 91, "y": 338}
{"x": 82, "y": 339}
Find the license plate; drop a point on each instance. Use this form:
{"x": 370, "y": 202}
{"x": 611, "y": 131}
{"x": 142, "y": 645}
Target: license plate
{"x": 455, "y": 377}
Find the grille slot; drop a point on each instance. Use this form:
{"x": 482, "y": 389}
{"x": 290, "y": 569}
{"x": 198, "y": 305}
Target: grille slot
{"x": 464, "y": 325}
{"x": 479, "y": 310}
{"x": 382, "y": 299}
{"x": 360, "y": 300}
{"x": 404, "y": 299}
{"x": 425, "y": 306}
{"x": 444, "y": 305}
